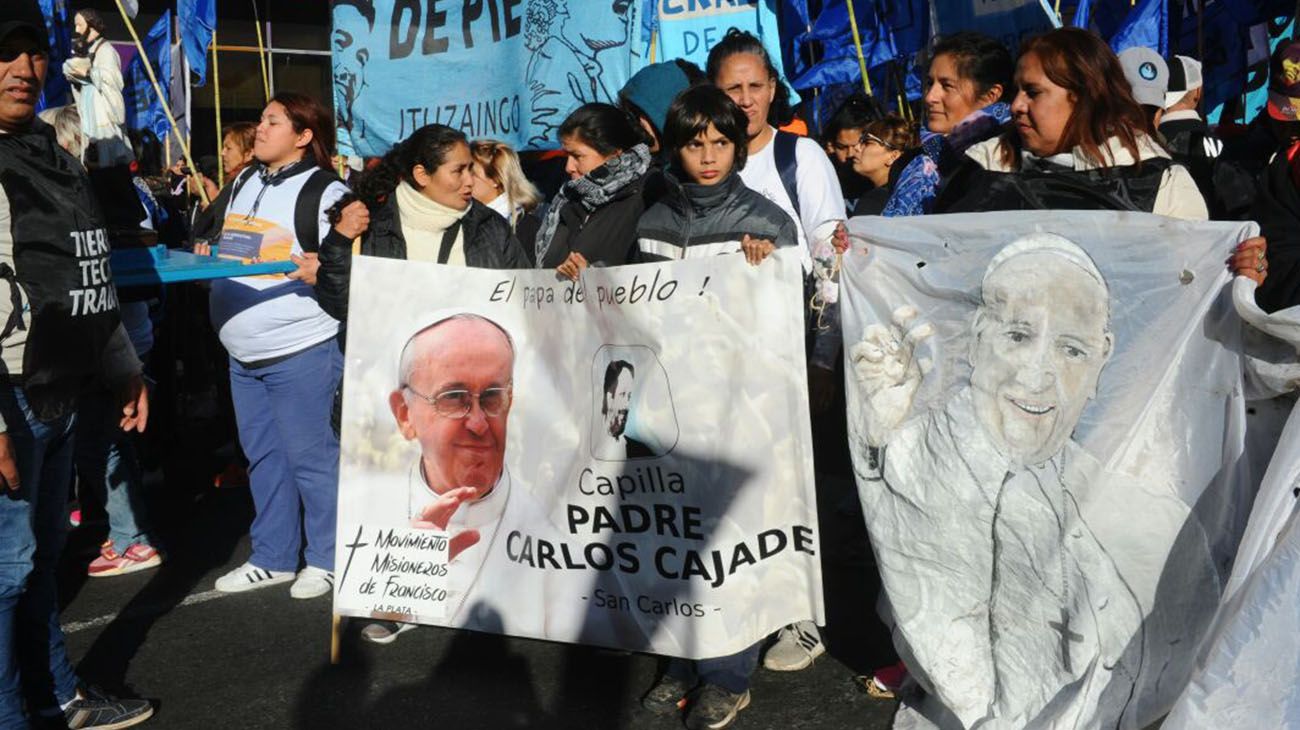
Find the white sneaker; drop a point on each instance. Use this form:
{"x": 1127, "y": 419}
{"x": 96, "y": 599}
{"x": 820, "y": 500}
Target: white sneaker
{"x": 312, "y": 582}
{"x": 248, "y": 577}
{"x": 797, "y": 645}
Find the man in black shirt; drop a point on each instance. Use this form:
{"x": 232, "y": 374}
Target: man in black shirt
{"x": 1226, "y": 187}
{"x": 61, "y": 336}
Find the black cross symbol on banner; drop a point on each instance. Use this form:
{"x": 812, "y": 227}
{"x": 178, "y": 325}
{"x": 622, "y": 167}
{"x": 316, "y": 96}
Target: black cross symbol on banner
{"x": 1063, "y": 628}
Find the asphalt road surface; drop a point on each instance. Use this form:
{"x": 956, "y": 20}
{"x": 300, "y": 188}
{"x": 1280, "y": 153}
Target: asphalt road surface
{"x": 261, "y": 659}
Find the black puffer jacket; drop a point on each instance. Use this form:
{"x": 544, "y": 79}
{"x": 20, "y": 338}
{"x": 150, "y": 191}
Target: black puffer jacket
{"x": 700, "y": 220}
{"x": 1228, "y": 187}
{"x": 489, "y": 244}
{"x": 606, "y": 235}
{"x": 1277, "y": 210}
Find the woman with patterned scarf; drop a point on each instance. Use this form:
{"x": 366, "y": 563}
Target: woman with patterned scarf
{"x": 592, "y": 220}
{"x": 966, "y": 94}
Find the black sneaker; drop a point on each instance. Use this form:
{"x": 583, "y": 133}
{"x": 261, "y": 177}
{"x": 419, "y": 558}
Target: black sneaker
{"x": 95, "y": 709}
{"x": 715, "y": 708}
{"x": 667, "y": 696}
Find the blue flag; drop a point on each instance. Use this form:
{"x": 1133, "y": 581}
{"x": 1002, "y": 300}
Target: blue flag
{"x": 1147, "y": 26}
{"x": 198, "y": 22}
{"x": 1264, "y": 40}
{"x": 1231, "y": 29}
{"x": 59, "y": 26}
{"x": 890, "y": 33}
{"x": 144, "y": 110}
{"x": 1010, "y": 21}
{"x": 1228, "y": 28}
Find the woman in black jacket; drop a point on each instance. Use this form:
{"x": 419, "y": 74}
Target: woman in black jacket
{"x": 421, "y": 208}
{"x": 593, "y": 218}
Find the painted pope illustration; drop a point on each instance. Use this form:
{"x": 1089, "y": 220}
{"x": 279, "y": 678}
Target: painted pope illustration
{"x": 1007, "y": 604}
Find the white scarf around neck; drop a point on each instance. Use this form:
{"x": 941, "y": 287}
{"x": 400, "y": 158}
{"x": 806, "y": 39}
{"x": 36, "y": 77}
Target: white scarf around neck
{"x": 423, "y": 223}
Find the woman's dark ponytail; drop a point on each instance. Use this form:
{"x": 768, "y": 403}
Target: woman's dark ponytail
{"x": 376, "y": 183}
{"x": 427, "y": 147}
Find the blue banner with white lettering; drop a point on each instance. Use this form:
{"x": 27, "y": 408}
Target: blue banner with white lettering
{"x": 690, "y": 28}
{"x": 144, "y": 110}
{"x": 510, "y": 70}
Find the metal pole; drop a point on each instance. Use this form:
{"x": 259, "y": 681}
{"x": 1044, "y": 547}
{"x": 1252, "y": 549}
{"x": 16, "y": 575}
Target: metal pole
{"x": 216, "y": 105}
{"x": 189, "y": 98}
{"x": 261, "y": 54}
{"x": 157, "y": 88}
{"x": 857, "y": 43}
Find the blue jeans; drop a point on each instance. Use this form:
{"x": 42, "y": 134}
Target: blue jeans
{"x": 32, "y": 531}
{"x": 283, "y": 413}
{"x": 731, "y": 673}
{"x": 107, "y": 466}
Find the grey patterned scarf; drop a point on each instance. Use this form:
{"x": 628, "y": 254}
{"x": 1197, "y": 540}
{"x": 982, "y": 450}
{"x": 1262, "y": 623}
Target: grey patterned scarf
{"x": 593, "y": 190}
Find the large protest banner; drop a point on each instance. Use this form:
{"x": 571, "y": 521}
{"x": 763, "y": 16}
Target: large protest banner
{"x": 510, "y": 70}
{"x": 1248, "y": 670}
{"x": 1048, "y": 426}
{"x": 632, "y": 454}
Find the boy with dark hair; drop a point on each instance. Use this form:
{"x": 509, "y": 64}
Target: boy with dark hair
{"x": 709, "y": 211}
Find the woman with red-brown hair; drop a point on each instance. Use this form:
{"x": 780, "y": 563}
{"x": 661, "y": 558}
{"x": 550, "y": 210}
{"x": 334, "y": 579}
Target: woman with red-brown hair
{"x": 285, "y": 361}
{"x": 237, "y": 143}
{"x": 1078, "y": 141}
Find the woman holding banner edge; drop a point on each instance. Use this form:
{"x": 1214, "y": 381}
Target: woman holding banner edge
{"x": 283, "y": 347}
{"x": 1079, "y": 143}
{"x": 424, "y": 209}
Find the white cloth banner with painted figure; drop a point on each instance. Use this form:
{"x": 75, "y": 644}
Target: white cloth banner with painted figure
{"x": 625, "y": 462}
{"x": 1249, "y": 666}
{"x": 509, "y": 70}
{"x": 1048, "y": 427}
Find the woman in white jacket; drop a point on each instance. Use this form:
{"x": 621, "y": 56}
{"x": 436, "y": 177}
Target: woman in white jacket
{"x": 1078, "y": 141}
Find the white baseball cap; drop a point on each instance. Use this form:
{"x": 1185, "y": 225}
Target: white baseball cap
{"x": 1184, "y": 76}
